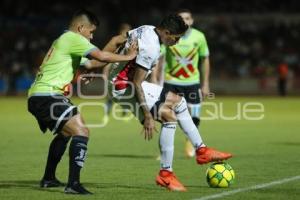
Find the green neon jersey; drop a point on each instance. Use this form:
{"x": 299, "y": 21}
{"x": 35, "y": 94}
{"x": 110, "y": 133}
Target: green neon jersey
{"x": 182, "y": 59}
{"x": 60, "y": 63}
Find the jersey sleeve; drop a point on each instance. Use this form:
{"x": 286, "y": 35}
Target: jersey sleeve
{"x": 203, "y": 47}
{"x": 83, "y": 61}
{"x": 80, "y": 46}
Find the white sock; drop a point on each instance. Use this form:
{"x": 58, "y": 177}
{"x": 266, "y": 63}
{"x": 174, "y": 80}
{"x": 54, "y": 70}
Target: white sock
{"x": 166, "y": 142}
{"x": 187, "y": 125}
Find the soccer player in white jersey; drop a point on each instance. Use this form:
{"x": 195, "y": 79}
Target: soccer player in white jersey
{"x": 128, "y": 87}
{"x": 184, "y": 68}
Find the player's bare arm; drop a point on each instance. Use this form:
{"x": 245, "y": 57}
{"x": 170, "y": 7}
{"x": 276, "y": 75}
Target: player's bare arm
{"x": 112, "y": 46}
{"x": 149, "y": 125}
{"x": 106, "y": 56}
{"x": 115, "y": 43}
{"x": 205, "y": 71}
{"x": 156, "y": 74}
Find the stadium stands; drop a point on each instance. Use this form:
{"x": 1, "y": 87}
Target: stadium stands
{"x": 246, "y": 41}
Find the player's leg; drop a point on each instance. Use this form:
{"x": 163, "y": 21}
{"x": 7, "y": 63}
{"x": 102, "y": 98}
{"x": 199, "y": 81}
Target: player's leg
{"x": 192, "y": 96}
{"x": 184, "y": 119}
{"x": 166, "y": 177}
{"x": 48, "y": 110}
{"x": 108, "y": 104}
{"x": 58, "y": 114}
{"x": 75, "y": 127}
{"x": 167, "y": 134}
{"x": 194, "y": 110}
{"x": 166, "y": 88}
{"x": 55, "y": 153}
{"x": 107, "y": 110}
{"x": 189, "y": 150}
{"x": 203, "y": 154}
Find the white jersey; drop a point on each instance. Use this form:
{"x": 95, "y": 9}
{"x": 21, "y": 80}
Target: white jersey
{"x": 148, "y": 43}
{"x": 121, "y": 76}
{"x": 147, "y": 57}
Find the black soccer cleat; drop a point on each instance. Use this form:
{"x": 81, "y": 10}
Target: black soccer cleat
{"x": 51, "y": 183}
{"x": 76, "y": 188}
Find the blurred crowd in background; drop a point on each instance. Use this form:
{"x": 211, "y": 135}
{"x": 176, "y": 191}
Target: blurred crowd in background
{"x": 246, "y": 40}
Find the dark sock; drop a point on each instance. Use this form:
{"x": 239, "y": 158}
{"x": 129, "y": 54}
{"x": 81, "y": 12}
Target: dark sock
{"x": 196, "y": 121}
{"x": 77, "y": 153}
{"x": 56, "y": 151}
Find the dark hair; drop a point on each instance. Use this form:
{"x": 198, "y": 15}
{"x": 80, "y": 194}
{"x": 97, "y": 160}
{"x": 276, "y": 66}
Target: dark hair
{"x": 174, "y": 23}
{"x": 91, "y": 16}
{"x": 184, "y": 10}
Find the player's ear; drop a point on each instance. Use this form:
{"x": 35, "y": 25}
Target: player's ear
{"x": 80, "y": 28}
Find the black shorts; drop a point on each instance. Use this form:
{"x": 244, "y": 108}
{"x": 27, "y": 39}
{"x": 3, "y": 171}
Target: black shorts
{"x": 51, "y": 112}
{"x": 189, "y": 92}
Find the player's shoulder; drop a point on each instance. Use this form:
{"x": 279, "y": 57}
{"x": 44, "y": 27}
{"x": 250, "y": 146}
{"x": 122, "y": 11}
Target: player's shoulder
{"x": 144, "y": 32}
{"x": 198, "y": 33}
{"x": 148, "y": 37}
{"x": 148, "y": 28}
{"x": 149, "y": 46}
{"x": 150, "y": 34}
{"x": 72, "y": 36}
{"x": 67, "y": 35}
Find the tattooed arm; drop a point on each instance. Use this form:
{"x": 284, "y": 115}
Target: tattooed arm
{"x": 149, "y": 125}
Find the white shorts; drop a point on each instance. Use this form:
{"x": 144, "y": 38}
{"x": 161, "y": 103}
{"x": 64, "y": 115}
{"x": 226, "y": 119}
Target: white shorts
{"x": 127, "y": 99}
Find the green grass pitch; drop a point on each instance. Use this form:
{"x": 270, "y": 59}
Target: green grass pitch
{"x": 121, "y": 165}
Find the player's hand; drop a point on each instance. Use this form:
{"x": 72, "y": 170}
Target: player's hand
{"x": 87, "y": 76}
{"x": 205, "y": 91}
{"x": 132, "y": 50}
{"x": 149, "y": 127}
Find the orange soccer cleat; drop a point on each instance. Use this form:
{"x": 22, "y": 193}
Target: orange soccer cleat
{"x": 205, "y": 155}
{"x": 168, "y": 180}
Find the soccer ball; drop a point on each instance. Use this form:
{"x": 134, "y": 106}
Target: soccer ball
{"x": 220, "y": 175}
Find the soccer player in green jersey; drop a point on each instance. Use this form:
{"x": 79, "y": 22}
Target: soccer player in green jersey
{"x": 182, "y": 63}
{"x": 53, "y": 110}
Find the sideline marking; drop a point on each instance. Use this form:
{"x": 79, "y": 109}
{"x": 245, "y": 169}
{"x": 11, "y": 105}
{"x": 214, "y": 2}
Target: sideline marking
{"x": 255, "y": 187}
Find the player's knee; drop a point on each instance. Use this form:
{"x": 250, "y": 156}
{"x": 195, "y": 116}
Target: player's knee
{"x": 168, "y": 115}
{"x": 173, "y": 99}
{"x": 196, "y": 121}
{"x": 179, "y": 100}
{"x": 84, "y": 132}
{"x": 79, "y": 129}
